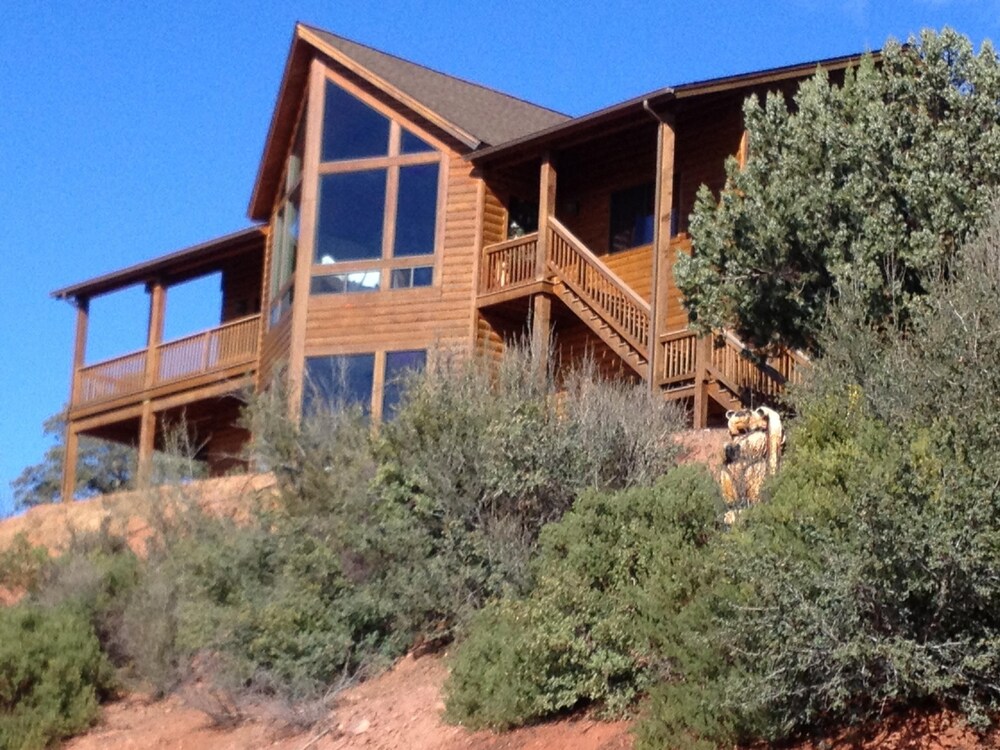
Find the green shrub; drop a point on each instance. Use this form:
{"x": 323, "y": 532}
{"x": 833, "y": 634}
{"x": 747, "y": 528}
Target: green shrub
{"x": 868, "y": 581}
{"x": 22, "y": 564}
{"x": 52, "y": 675}
{"x": 413, "y": 526}
{"x": 477, "y": 461}
{"x": 578, "y": 638}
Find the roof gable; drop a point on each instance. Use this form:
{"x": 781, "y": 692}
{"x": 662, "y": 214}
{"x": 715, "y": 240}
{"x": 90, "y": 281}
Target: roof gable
{"x": 488, "y": 115}
{"x": 475, "y": 115}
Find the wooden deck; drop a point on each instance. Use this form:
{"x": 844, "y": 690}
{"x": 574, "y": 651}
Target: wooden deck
{"x": 201, "y": 360}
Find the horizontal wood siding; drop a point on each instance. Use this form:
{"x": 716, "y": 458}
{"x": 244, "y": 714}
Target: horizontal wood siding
{"x": 432, "y": 317}
{"x": 708, "y": 133}
{"x": 274, "y": 349}
{"x": 635, "y": 268}
{"x": 588, "y": 175}
{"x": 675, "y": 316}
{"x": 494, "y": 219}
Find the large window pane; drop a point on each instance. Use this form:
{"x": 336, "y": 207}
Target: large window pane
{"x": 338, "y": 381}
{"x": 351, "y": 207}
{"x": 398, "y": 367}
{"x": 352, "y": 129}
{"x": 417, "y": 210}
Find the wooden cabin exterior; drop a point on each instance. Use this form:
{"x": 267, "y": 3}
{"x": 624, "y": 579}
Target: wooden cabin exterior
{"x": 399, "y": 212}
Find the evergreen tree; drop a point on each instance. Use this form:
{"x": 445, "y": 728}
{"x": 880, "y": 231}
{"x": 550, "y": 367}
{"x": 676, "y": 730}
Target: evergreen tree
{"x": 873, "y": 183}
{"x": 102, "y": 466}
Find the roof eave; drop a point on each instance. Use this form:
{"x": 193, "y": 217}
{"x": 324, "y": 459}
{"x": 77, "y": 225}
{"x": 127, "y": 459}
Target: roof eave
{"x": 290, "y": 93}
{"x": 203, "y": 254}
{"x": 658, "y": 99}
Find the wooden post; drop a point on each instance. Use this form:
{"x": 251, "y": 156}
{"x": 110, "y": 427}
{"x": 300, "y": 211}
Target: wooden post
{"x": 541, "y": 304}
{"x": 154, "y": 336}
{"x": 70, "y": 454}
{"x": 147, "y": 442}
{"x": 546, "y": 210}
{"x": 71, "y": 439}
{"x": 541, "y": 327}
{"x": 665, "y": 145}
{"x": 703, "y": 355}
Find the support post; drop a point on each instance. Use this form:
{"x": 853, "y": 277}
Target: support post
{"x": 71, "y": 439}
{"x": 541, "y": 327}
{"x": 702, "y": 357}
{"x": 71, "y": 451}
{"x": 147, "y": 442}
{"x": 154, "y": 336}
{"x": 664, "y": 202}
{"x": 546, "y": 210}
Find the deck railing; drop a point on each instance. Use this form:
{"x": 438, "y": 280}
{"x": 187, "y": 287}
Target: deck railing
{"x": 730, "y": 361}
{"x": 678, "y": 358}
{"x": 509, "y": 264}
{"x": 610, "y": 297}
{"x": 112, "y": 378}
{"x": 230, "y": 345}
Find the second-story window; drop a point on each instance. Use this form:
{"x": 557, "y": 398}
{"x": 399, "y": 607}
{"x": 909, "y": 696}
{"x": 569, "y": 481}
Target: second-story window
{"x": 378, "y": 199}
{"x": 285, "y": 234}
{"x": 632, "y": 217}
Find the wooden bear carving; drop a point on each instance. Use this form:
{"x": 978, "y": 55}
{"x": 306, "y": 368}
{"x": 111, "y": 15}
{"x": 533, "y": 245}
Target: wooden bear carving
{"x": 751, "y": 455}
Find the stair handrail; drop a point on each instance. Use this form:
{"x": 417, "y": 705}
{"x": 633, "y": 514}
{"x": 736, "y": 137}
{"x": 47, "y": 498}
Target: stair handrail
{"x": 601, "y": 266}
{"x": 634, "y": 328}
{"x": 766, "y": 370}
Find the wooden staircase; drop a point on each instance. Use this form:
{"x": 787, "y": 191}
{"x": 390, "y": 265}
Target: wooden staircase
{"x": 606, "y": 304}
{"x": 688, "y": 366}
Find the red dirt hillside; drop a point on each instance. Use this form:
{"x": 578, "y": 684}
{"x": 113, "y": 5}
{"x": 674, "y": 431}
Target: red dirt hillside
{"x": 399, "y": 710}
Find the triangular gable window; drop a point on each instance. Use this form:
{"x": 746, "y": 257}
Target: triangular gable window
{"x": 352, "y": 129}
{"x": 413, "y": 144}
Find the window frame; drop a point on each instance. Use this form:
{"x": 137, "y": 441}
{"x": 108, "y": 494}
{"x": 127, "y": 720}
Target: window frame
{"x": 392, "y": 163}
{"x": 375, "y": 407}
{"x": 281, "y": 294}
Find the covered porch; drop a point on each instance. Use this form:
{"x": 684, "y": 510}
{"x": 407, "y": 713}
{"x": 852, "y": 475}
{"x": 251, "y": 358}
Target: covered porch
{"x": 193, "y": 380}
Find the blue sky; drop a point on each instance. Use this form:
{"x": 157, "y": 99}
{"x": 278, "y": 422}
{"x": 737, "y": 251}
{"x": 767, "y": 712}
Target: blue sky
{"x": 129, "y": 130}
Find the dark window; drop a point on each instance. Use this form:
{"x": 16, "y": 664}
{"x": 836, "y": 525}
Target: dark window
{"x": 351, "y": 207}
{"x": 632, "y": 217}
{"x": 399, "y": 366}
{"x": 413, "y": 144}
{"x": 522, "y": 217}
{"x": 416, "y": 212}
{"x": 338, "y": 381}
{"x": 352, "y": 129}
{"x": 404, "y": 278}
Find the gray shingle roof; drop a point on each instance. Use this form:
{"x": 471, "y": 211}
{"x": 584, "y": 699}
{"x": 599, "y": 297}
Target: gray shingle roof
{"x": 489, "y": 115}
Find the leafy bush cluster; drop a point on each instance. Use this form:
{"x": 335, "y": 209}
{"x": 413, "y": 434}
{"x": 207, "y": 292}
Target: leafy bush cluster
{"x": 52, "y": 675}
{"x": 865, "y": 583}
{"x": 58, "y": 644}
{"x": 579, "y": 636}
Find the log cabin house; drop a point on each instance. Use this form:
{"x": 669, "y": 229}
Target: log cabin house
{"x": 398, "y": 210}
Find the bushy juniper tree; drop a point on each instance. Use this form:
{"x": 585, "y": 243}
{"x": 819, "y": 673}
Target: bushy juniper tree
{"x": 873, "y": 183}
{"x": 102, "y": 466}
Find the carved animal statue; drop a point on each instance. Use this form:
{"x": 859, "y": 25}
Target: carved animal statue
{"x": 752, "y": 454}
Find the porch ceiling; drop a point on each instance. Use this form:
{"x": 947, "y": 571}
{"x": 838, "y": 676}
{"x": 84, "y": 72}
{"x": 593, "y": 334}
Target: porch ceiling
{"x": 184, "y": 264}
